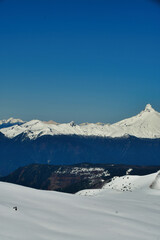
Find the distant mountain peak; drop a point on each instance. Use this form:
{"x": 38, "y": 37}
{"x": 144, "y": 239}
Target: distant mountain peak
{"x": 10, "y": 122}
{"x": 72, "y": 124}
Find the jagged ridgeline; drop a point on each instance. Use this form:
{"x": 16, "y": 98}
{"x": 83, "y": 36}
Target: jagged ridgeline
{"x": 144, "y": 125}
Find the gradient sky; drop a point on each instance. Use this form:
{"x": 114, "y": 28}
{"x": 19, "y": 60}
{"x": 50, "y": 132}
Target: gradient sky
{"x": 81, "y": 60}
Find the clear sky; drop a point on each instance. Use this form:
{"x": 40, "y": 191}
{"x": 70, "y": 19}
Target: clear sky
{"x": 81, "y": 60}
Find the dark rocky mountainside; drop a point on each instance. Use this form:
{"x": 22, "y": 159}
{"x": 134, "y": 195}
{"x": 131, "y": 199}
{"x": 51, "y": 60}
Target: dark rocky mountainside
{"x": 72, "y": 149}
{"x": 72, "y": 178}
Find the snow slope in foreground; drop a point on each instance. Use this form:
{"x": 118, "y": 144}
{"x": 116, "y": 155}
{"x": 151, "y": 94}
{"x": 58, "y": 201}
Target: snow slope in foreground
{"x": 144, "y": 125}
{"x": 52, "y": 215}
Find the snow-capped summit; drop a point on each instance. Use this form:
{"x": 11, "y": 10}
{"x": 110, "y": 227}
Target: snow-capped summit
{"x": 149, "y": 108}
{"x": 146, "y": 124}
{"x": 10, "y": 122}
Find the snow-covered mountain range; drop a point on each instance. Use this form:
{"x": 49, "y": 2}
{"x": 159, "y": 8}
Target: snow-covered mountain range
{"x": 144, "y": 125}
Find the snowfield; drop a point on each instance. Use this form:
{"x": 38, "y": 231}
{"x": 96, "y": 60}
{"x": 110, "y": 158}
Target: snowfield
{"x": 110, "y": 214}
{"x": 144, "y": 125}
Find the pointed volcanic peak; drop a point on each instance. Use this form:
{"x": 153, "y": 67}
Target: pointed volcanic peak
{"x": 10, "y": 122}
{"x": 144, "y": 125}
{"x": 148, "y": 108}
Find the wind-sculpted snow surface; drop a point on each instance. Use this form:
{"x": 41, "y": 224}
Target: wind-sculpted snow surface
{"x": 156, "y": 183}
{"x": 51, "y": 215}
{"x": 132, "y": 183}
{"x": 145, "y": 125}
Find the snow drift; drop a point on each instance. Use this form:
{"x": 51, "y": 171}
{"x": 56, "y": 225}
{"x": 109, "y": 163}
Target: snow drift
{"x": 156, "y": 182}
{"x": 128, "y": 183}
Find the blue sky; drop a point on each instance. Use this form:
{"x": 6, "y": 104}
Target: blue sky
{"x": 83, "y": 60}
